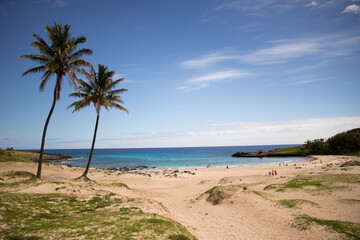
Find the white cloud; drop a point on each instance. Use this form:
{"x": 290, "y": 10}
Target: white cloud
{"x": 205, "y": 80}
{"x": 354, "y": 8}
{"x": 257, "y": 7}
{"x": 224, "y": 133}
{"x": 218, "y": 76}
{"x": 61, "y": 3}
{"x": 207, "y": 60}
{"x": 312, "y": 4}
{"x": 118, "y": 75}
{"x": 285, "y": 51}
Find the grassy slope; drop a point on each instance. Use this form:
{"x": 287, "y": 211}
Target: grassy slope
{"x": 24, "y": 156}
{"x": 9, "y": 156}
{"x": 67, "y": 216}
{"x": 63, "y": 216}
{"x": 298, "y": 150}
{"x": 290, "y": 151}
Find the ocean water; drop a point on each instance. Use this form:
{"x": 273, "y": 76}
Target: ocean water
{"x": 172, "y": 158}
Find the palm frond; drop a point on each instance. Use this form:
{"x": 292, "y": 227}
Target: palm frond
{"x": 114, "y": 83}
{"x": 80, "y": 53}
{"x": 45, "y": 78}
{"x": 73, "y": 79}
{"x": 117, "y": 91}
{"x": 118, "y": 106}
{"x": 34, "y": 70}
{"x": 37, "y": 58}
{"x": 78, "y": 63}
{"x": 80, "y": 104}
{"x": 42, "y": 42}
{"x": 81, "y": 39}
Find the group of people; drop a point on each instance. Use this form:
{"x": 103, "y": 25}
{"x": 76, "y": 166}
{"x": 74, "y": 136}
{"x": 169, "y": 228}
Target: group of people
{"x": 272, "y": 173}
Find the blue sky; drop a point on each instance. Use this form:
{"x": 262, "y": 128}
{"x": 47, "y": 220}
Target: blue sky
{"x": 199, "y": 73}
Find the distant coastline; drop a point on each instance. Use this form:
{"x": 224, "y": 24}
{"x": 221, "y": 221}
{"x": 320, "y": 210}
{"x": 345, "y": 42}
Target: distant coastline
{"x": 50, "y": 157}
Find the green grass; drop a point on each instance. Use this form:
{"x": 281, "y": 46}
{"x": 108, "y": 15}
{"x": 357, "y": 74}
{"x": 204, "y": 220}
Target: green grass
{"x": 294, "y": 203}
{"x": 62, "y": 216}
{"x": 10, "y": 156}
{"x": 220, "y": 193}
{"x": 350, "y": 164}
{"x": 349, "y": 229}
{"x": 21, "y": 174}
{"x": 317, "y": 183}
{"x": 262, "y": 194}
{"x": 178, "y": 237}
{"x": 298, "y": 150}
{"x": 351, "y": 201}
{"x": 21, "y": 156}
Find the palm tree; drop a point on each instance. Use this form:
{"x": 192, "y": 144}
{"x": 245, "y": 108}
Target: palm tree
{"x": 99, "y": 91}
{"x": 59, "y": 58}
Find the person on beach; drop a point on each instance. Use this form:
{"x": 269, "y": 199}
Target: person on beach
{"x": 272, "y": 173}
{"x": 269, "y": 173}
{"x": 275, "y": 173}
{"x": 227, "y": 167}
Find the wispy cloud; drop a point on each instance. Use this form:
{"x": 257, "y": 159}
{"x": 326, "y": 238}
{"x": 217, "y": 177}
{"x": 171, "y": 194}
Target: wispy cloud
{"x": 225, "y": 133}
{"x": 205, "y": 80}
{"x": 257, "y": 7}
{"x": 218, "y": 76}
{"x": 312, "y": 4}
{"x": 306, "y": 81}
{"x": 207, "y": 60}
{"x": 119, "y": 75}
{"x": 61, "y": 3}
{"x": 354, "y": 9}
{"x": 284, "y": 51}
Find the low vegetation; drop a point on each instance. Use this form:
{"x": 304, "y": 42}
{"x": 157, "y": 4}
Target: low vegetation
{"x": 349, "y": 229}
{"x": 66, "y": 216}
{"x": 220, "y": 193}
{"x": 350, "y": 164}
{"x": 295, "y": 203}
{"x": 264, "y": 195}
{"x": 11, "y": 155}
{"x": 317, "y": 183}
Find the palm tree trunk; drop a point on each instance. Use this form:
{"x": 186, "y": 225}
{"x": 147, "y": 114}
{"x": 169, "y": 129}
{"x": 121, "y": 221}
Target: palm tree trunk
{"x": 38, "y": 175}
{"x": 92, "y": 147}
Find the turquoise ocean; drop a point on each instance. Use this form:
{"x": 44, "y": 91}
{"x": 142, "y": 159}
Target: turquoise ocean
{"x": 172, "y": 158}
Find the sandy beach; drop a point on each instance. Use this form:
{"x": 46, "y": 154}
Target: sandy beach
{"x": 249, "y": 203}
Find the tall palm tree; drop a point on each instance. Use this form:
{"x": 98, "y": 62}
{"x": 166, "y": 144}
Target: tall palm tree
{"x": 99, "y": 91}
{"x": 59, "y": 58}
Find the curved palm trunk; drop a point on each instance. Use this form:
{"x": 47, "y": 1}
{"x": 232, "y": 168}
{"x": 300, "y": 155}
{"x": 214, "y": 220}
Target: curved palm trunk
{"x": 38, "y": 175}
{"x": 92, "y": 148}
